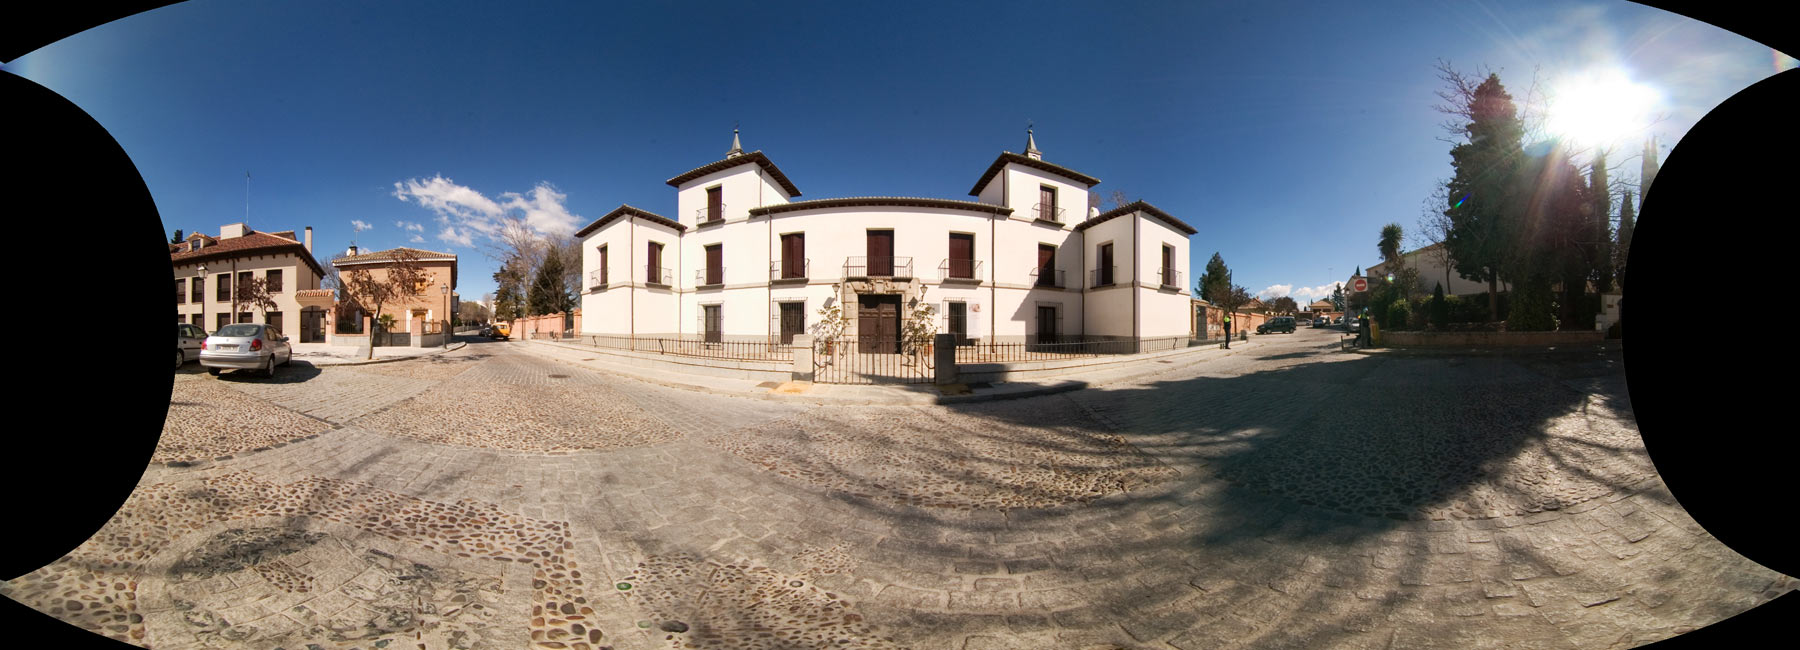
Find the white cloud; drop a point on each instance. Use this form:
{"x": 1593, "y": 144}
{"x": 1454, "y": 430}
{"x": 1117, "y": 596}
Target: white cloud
{"x": 417, "y": 239}
{"x": 360, "y": 225}
{"x": 1308, "y": 295}
{"x": 408, "y": 225}
{"x": 1276, "y": 291}
{"x": 464, "y": 214}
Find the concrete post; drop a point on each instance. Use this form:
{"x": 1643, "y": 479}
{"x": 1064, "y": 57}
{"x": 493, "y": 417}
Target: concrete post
{"x": 803, "y": 357}
{"x": 943, "y": 354}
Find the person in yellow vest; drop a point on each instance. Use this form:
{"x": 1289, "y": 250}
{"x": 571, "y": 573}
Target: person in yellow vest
{"x": 1227, "y": 330}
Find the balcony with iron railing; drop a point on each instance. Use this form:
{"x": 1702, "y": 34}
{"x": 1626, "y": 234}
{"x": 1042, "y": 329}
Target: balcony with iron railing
{"x": 958, "y": 270}
{"x": 878, "y": 267}
{"x": 1047, "y": 212}
{"x": 596, "y": 279}
{"x": 657, "y": 275}
{"x": 1047, "y": 277}
{"x": 708, "y": 216}
{"x": 709, "y": 277}
{"x": 1103, "y": 276}
{"x": 1171, "y": 278}
{"x": 779, "y": 270}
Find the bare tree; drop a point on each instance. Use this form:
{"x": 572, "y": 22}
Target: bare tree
{"x": 520, "y": 251}
{"x": 402, "y": 278}
{"x": 254, "y": 294}
{"x": 1433, "y": 228}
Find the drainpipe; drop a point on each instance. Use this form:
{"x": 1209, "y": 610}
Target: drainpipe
{"x": 631, "y": 291}
{"x": 993, "y": 225}
{"x": 1137, "y": 268}
{"x": 768, "y": 247}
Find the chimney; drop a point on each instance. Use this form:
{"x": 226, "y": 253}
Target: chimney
{"x": 309, "y": 240}
{"x": 352, "y": 250}
{"x": 233, "y": 230}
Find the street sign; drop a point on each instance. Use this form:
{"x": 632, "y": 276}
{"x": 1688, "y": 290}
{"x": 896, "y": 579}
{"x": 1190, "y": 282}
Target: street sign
{"x": 1360, "y": 285}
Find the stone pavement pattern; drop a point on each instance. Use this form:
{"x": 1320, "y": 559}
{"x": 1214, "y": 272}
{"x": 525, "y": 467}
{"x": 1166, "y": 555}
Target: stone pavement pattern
{"x": 1285, "y": 496}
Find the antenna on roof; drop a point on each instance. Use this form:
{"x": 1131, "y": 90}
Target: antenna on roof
{"x": 246, "y": 198}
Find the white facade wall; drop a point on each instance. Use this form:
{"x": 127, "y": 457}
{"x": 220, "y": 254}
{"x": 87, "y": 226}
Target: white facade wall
{"x": 1162, "y": 312}
{"x": 1003, "y": 304}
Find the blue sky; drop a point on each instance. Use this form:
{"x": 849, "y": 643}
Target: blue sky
{"x": 1287, "y": 133}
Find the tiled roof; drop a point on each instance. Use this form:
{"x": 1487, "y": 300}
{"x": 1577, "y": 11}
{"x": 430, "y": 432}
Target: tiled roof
{"x": 745, "y": 159}
{"x": 1010, "y": 157}
{"x": 388, "y": 256}
{"x": 626, "y": 210}
{"x": 1133, "y": 207}
{"x": 255, "y": 243}
{"x": 900, "y": 201}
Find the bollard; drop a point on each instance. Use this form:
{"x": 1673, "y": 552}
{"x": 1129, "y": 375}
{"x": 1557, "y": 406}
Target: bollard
{"x": 943, "y": 352}
{"x": 803, "y": 357}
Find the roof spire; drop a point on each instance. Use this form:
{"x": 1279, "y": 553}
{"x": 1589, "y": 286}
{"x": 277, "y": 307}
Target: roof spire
{"x": 736, "y": 148}
{"x": 1031, "y": 149}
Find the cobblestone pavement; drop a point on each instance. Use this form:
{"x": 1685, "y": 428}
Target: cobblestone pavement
{"x": 1286, "y": 496}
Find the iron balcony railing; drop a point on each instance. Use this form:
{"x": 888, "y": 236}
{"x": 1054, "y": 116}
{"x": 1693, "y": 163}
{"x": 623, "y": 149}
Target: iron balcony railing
{"x": 1170, "y": 277}
{"x": 878, "y": 267}
{"x": 1102, "y": 276}
{"x": 955, "y": 269}
{"x": 658, "y": 275}
{"x": 706, "y": 215}
{"x": 778, "y": 270}
{"x": 1047, "y": 212}
{"x": 705, "y": 277}
{"x": 1044, "y": 277}
{"x": 596, "y": 279}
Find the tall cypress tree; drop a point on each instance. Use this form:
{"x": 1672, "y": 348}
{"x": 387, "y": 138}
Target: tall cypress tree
{"x": 548, "y": 294}
{"x": 1627, "y": 223}
{"x": 1600, "y": 254}
{"x": 1480, "y": 237}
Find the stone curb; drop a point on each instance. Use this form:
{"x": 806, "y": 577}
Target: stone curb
{"x": 364, "y": 362}
{"x": 889, "y": 396}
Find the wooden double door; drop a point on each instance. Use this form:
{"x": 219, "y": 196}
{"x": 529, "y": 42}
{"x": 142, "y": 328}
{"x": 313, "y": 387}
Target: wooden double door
{"x": 878, "y": 324}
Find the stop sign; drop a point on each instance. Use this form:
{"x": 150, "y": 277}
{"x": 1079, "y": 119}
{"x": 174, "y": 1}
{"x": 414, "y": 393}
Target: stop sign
{"x": 1361, "y": 284}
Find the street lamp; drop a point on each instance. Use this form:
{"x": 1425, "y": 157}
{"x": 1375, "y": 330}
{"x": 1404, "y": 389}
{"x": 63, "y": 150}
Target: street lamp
{"x": 444, "y": 290}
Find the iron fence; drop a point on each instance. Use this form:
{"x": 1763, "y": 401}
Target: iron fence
{"x": 596, "y": 279}
{"x": 778, "y": 270}
{"x": 1102, "y": 277}
{"x": 708, "y": 215}
{"x": 959, "y": 269}
{"x": 696, "y": 345}
{"x": 658, "y": 275}
{"x": 871, "y": 360}
{"x": 1047, "y": 212}
{"x": 1044, "y": 277}
{"x": 878, "y": 267}
{"x": 1042, "y": 348}
{"x": 1170, "y": 277}
{"x": 707, "y": 277}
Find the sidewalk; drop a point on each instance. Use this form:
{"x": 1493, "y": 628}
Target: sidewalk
{"x": 321, "y": 354}
{"x": 874, "y": 395}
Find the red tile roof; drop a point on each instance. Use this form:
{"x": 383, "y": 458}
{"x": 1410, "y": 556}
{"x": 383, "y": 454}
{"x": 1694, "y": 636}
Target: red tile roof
{"x": 901, "y": 201}
{"x": 1133, "y": 207}
{"x": 388, "y": 256}
{"x": 252, "y": 244}
{"x": 624, "y": 210}
{"x": 745, "y": 159}
{"x": 1010, "y": 157}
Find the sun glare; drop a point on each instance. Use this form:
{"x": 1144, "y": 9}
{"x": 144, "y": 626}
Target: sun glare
{"x": 1601, "y": 108}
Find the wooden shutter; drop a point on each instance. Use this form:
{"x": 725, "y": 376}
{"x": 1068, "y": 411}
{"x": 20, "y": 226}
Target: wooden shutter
{"x": 715, "y": 258}
{"x": 654, "y": 268}
{"x": 1106, "y": 264}
{"x": 793, "y": 255}
{"x": 962, "y": 255}
{"x": 1168, "y": 266}
{"x": 1046, "y": 265}
{"x": 881, "y": 252}
{"x": 1047, "y": 199}
{"x": 715, "y": 204}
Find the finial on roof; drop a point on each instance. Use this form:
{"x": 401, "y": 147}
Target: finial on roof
{"x": 1031, "y": 144}
{"x": 736, "y": 148}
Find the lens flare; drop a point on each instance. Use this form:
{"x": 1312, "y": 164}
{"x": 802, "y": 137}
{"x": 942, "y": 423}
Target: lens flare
{"x": 1601, "y": 107}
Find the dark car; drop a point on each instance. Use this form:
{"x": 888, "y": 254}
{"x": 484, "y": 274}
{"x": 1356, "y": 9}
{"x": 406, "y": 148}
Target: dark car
{"x": 1277, "y": 324}
{"x": 1320, "y": 321}
{"x": 187, "y": 343}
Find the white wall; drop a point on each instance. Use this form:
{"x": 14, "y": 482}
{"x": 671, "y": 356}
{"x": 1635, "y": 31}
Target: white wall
{"x": 1162, "y": 312}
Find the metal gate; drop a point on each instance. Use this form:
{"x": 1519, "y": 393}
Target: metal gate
{"x": 844, "y": 361}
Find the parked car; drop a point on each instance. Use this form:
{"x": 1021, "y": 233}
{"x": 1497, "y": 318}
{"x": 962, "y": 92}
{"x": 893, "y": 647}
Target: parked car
{"x": 1277, "y": 324}
{"x": 500, "y": 332}
{"x": 1349, "y": 324}
{"x": 1321, "y": 321}
{"x": 187, "y": 343}
{"x": 246, "y": 346}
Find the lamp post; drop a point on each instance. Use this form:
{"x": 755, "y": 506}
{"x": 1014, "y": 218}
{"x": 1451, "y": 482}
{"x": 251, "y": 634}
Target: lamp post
{"x": 444, "y": 289}
{"x": 202, "y": 297}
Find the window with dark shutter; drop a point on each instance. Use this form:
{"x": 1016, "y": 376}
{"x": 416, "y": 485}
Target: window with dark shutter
{"x": 1168, "y": 266}
{"x": 715, "y": 204}
{"x": 1046, "y": 266}
{"x": 793, "y": 255}
{"x": 653, "y": 269}
{"x": 715, "y": 258}
{"x": 881, "y": 253}
{"x": 1104, "y": 274}
{"x": 603, "y": 265}
{"x": 274, "y": 277}
{"x": 180, "y": 291}
{"x": 224, "y": 286}
{"x": 199, "y": 293}
{"x": 962, "y": 255}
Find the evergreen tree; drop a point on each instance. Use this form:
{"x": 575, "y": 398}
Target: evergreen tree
{"x": 549, "y": 294}
{"x": 1480, "y": 236}
{"x": 1337, "y": 298}
{"x": 1216, "y": 278}
{"x": 1627, "y": 223}
{"x": 1600, "y": 255}
{"x": 177, "y": 238}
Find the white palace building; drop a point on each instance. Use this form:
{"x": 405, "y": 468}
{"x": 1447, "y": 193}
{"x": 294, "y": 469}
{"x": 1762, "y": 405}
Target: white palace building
{"x": 743, "y": 260}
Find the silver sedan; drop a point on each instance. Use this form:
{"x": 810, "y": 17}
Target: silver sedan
{"x": 246, "y": 346}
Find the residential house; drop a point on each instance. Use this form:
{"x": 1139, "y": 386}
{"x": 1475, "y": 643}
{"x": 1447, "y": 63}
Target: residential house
{"x": 212, "y": 272}
{"x": 742, "y": 259}
{"x": 430, "y": 305}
